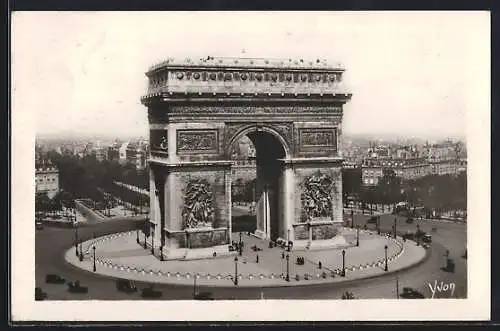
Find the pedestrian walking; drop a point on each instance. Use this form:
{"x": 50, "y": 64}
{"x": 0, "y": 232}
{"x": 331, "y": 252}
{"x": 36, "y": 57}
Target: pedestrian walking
{"x": 257, "y": 259}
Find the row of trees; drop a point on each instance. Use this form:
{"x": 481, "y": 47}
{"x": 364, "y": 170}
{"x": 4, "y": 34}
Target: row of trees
{"x": 243, "y": 190}
{"x": 83, "y": 178}
{"x": 440, "y": 193}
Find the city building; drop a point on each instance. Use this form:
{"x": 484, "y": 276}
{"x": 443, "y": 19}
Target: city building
{"x": 443, "y": 158}
{"x": 122, "y": 156}
{"x": 407, "y": 169}
{"x": 136, "y": 153}
{"x": 46, "y": 178}
{"x": 100, "y": 153}
{"x": 114, "y": 151}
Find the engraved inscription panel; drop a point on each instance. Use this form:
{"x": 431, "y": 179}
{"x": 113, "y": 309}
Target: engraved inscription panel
{"x": 197, "y": 141}
{"x": 159, "y": 141}
{"x": 318, "y": 138}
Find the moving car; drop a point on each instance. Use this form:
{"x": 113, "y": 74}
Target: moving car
{"x": 411, "y": 293}
{"x": 54, "y": 279}
{"x": 75, "y": 287}
{"x": 125, "y": 285}
{"x": 150, "y": 293}
{"x": 409, "y": 220}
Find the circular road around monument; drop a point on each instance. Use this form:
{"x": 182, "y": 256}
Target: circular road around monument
{"x": 427, "y": 277}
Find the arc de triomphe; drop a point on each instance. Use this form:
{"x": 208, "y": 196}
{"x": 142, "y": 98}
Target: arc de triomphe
{"x": 292, "y": 112}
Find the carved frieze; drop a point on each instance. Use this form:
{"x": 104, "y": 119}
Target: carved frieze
{"x": 196, "y": 141}
{"x": 159, "y": 141}
{"x": 293, "y": 109}
{"x": 318, "y": 138}
{"x": 316, "y": 197}
{"x": 198, "y": 210}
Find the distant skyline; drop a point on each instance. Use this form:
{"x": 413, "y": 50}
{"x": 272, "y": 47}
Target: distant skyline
{"x": 82, "y": 74}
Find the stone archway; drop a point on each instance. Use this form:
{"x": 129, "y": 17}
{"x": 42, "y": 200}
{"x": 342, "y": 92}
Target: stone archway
{"x": 291, "y": 112}
{"x": 271, "y": 150}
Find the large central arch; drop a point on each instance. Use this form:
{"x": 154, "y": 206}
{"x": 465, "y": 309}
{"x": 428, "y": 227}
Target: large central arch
{"x": 291, "y": 111}
{"x": 271, "y": 150}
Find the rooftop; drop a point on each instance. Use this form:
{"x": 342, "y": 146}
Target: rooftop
{"x": 244, "y": 62}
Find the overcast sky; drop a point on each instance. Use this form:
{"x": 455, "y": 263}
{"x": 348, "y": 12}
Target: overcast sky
{"x": 410, "y": 73}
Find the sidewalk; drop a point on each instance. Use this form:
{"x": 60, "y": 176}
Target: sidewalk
{"x": 119, "y": 256}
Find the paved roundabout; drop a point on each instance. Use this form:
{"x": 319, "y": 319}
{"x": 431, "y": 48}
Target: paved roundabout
{"x": 53, "y": 243}
{"x": 122, "y": 255}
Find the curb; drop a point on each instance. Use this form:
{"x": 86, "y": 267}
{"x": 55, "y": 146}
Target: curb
{"x": 317, "y": 276}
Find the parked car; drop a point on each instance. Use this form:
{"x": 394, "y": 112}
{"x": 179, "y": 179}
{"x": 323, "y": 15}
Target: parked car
{"x": 39, "y": 225}
{"x": 125, "y": 285}
{"x": 409, "y": 220}
{"x": 75, "y": 287}
{"x": 54, "y": 279}
{"x": 411, "y": 293}
{"x": 204, "y": 296}
{"x": 347, "y": 296}
{"x": 150, "y": 293}
{"x": 39, "y": 294}
{"x": 427, "y": 238}
{"x": 426, "y": 246}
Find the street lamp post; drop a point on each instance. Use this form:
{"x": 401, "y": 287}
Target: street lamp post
{"x": 235, "y": 270}
{"x": 418, "y": 234}
{"x": 357, "y": 235}
{"x": 343, "y": 263}
{"x": 194, "y": 287}
{"x": 386, "y": 268}
{"x": 153, "y": 243}
{"x": 76, "y": 240}
{"x": 240, "y": 248}
{"x": 397, "y": 287}
{"x": 287, "y": 268}
{"x": 94, "y": 259}
{"x": 395, "y": 224}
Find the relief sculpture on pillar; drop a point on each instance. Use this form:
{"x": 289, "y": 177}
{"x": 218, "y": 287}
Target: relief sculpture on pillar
{"x": 198, "y": 210}
{"x": 316, "y": 197}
